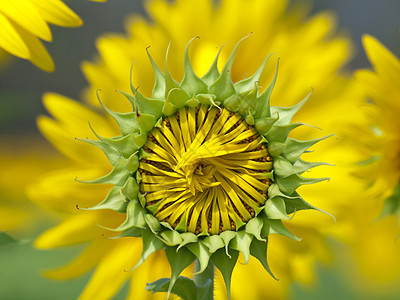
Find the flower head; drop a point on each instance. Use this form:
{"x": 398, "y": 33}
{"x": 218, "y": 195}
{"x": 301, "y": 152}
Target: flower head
{"x": 205, "y": 165}
{"x": 314, "y": 62}
{"x": 24, "y": 23}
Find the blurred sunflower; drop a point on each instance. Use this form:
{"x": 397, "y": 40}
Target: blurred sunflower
{"x": 378, "y": 141}
{"x": 16, "y": 211}
{"x": 311, "y": 56}
{"x": 24, "y": 23}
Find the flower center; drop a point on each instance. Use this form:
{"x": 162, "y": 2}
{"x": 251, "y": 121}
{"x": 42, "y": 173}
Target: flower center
{"x": 206, "y": 170}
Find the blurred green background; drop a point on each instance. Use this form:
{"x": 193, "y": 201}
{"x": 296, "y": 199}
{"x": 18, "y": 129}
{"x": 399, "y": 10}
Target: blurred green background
{"x": 21, "y": 87}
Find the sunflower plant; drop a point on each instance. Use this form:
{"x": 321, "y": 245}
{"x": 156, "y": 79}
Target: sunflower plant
{"x": 204, "y": 169}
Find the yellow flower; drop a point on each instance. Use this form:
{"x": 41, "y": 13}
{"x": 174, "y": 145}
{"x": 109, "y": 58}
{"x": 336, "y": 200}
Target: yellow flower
{"x": 311, "y": 56}
{"x": 381, "y": 140}
{"x": 25, "y": 22}
{"x": 376, "y": 246}
{"x": 16, "y": 212}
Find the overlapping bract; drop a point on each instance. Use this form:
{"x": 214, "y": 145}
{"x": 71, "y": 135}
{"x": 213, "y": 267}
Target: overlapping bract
{"x": 214, "y": 89}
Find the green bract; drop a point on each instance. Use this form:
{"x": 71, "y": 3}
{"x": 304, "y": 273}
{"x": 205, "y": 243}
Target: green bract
{"x": 214, "y": 89}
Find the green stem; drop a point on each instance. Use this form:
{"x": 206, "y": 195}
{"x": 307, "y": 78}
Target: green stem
{"x": 204, "y": 277}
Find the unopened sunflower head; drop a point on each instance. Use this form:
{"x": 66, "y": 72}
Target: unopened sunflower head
{"x": 205, "y": 168}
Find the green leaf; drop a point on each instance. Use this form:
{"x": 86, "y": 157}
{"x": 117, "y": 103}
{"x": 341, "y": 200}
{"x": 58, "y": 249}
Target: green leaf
{"x": 6, "y": 239}
{"x": 112, "y": 154}
{"x": 276, "y": 227}
{"x": 258, "y": 249}
{"x": 213, "y": 73}
{"x": 202, "y": 253}
{"x": 213, "y": 242}
{"x": 159, "y": 79}
{"x": 225, "y": 264}
{"x": 171, "y": 237}
{"x": 191, "y": 83}
{"x": 248, "y": 83}
{"x": 286, "y": 113}
{"x": 178, "y": 260}
{"x": 289, "y": 184}
{"x": 263, "y": 109}
{"x": 295, "y": 148}
{"x": 184, "y": 288}
{"x": 275, "y": 208}
{"x": 242, "y": 242}
{"x": 114, "y": 201}
{"x": 135, "y": 216}
{"x": 151, "y": 244}
{"x": 117, "y": 176}
{"x": 254, "y": 227}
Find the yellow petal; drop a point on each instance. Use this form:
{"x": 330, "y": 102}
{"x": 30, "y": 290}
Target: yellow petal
{"x": 56, "y": 12}
{"x": 24, "y": 13}
{"x": 112, "y": 270}
{"x": 10, "y": 39}
{"x": 38, "y": 53}
{"x": 384, "y": 62}
{"x": 74, "y": 230}
{"x": 87, "y": 260}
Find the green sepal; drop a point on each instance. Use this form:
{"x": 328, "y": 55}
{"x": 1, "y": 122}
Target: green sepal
{"x": 153, "y": 223}
{"x": 170, "y": 237}
{"x": 254, "y": 227}
{"x": 275, "y": 208}
{"x": 167, "y": 225}
{"x": 114, "y": 201}
{"x": 178, "y": 97}
{"x": 233, "y": 102}
{"x": 192, "y": 102}
{"x": 140, "y": 139}
{"x": 223, "y": 87}
{"x": 159, "y": 79}
{"x": 225, "y": 264}
{"x": 126, "y": 121}
{"x": 178, "y": 260}
{"x": 279, "y": 134}
{"x": 258, "y": 249}
{"x": 274, "y": 191}
{"x": 201, "y": 251}
{"x": 135, "y": 216}
{"x": 265, "y": 124}
{"x": 130, "y": 232}
{"x": 133, "y": 163}
{"x": 274, "y": 149}
{"x": 112, "y": 154}
{"x": 241, "y": 242}
{"x": 294, "y": 148}
{"x": 263, "y": 109}
{"x": 289, "y": 184}
{"x": 213, "y": 73}
{"x": 191, "y": 83}
{"x": 286, "y": 113}
{"x": 187, "y": 237}
{"x": 153, "y": 208}
{"x": 276, "y": 227}
{"x": 169, "y": 109}
{"x": 391, "y": 204}
{"x": 227, "y": 236}
{"x": 248, "y": 83}
{"x": 214, "y": 242}
{"x": 151, "y": 244}
{"x": 181, "y": 227}
{"x": 296, "y": 203}
{"x": 131, "y": 189}
{"x": 146, "y": 122}
{"x": 207, "y": 99}
{"x": 6, "y": 239}
{"x": 118, "y": 175}
{"x": 248, "y": 105}
{"x": 124, "y": 144}
{"x": 284, "y": 168}
{"x": 184, "y": 288}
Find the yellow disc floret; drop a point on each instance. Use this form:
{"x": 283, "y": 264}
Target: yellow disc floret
{"x": 207, "y": 168}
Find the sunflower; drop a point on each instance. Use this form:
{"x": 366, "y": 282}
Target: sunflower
{"x": 25, "y": 23}
{"x": 314, "y": 62}
{"x": 378, "y": 141}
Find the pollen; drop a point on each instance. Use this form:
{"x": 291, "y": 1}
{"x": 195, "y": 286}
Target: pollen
{"x": 206, "y": 170}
